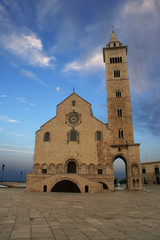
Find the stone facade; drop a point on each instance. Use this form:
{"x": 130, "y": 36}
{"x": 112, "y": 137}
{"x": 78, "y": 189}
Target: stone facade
{"x": 75, "y": 152}
{"x": 150, "y": 172}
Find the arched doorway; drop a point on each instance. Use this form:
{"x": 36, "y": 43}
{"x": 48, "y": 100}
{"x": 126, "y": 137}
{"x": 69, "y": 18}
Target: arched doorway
{"x": 65, "y": 186}
{"x": 120, "y": 172}
{"x": 71, "y": 167}
{"x": 104, "y": 185}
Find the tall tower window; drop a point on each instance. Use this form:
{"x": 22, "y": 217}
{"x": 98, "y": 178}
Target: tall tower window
{"x": 119, "y": 112}
{"x": 120, "y": 132}
{"x": 116, "y": 73}
{"x": 118, "y": 94}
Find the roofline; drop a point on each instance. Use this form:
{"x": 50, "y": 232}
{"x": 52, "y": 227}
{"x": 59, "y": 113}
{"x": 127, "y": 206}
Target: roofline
{"x": 150, "y": 162}
{"x": 71, "y": 95}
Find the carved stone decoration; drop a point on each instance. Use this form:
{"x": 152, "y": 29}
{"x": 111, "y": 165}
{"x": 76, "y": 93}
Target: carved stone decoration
{"x": 73, "y": 119}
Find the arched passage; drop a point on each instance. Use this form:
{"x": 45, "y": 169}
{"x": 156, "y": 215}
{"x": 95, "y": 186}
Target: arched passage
{"x": 65, "y": 186}
{"x": 120, "y": 171}
{"x": 104, "y": 185}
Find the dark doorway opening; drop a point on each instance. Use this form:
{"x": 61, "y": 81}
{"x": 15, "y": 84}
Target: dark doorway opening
{"x": 65, "y": 186}
{"x": 157, "y": 180}
{"x": 86, "y": 189}
{"x": 45, "y": 188}
{"x": 104, "y": 185}
{"x": 71, "y": 167}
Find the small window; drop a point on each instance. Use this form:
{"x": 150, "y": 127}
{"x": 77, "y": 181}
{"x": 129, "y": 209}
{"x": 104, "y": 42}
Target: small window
{"x": 118, "y": 94}
{"x": 118, "y": 59}
{"x": 115, "y": 60}
{"x": 111, "y": 60}
{"x": 98, "y": 135}
{"x": 119, "y": 112}
{"x": 73, "y": 135}
{"x": 156, "y": 170}
{"x": 116, "y": 73}
{"x": 143, "y": 170}
{"x": 46, "y": 137}
{"x": 73, "y": 103}
{"x": 121, "y": 59}
{"x": 44, "y": 171}
{"x": 100, "y": 171}
{"x": 120, "y": 133}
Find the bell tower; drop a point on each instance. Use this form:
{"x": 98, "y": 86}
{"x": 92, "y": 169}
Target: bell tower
{"x": 118, "y": 93}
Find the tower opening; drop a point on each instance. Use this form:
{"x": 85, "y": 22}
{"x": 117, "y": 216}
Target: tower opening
{"x": 65, "y": 186}
{"x": 120, "y": 173}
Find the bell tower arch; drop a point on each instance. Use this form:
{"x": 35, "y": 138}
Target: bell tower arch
{"x": 118, "y": 92}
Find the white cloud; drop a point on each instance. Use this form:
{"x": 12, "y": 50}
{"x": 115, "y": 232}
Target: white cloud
{"x": 140, "y": 21}
{"x": 22, "y": 100}
{"x": 3, "y": 96}
{"x": 11, "y": 145}
{"x": 27, "y": 47}
{"x": 32, "y": 104}
{"x": 57, "y": 89}
{"x": 6, "y": 119}
{"x": 137, "y": 7}
{"x": 17, "y": 151}
{"x": 33, "y": 76}
{"x": 92, "y": 63}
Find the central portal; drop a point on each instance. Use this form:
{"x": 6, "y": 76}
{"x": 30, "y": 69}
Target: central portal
{"x": 71, "y": 167}
{"x": 65, "y": 186}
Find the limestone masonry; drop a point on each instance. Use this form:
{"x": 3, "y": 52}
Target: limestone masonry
{"x": 74, "y": 151}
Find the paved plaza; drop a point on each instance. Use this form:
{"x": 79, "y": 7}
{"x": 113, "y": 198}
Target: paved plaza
{"x": 75, "y": 216}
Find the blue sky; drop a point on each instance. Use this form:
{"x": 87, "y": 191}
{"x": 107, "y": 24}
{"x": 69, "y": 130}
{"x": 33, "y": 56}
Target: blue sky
{"x": 48, "y": 47}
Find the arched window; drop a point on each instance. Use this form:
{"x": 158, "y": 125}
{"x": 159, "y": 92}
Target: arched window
{"x": 120, "y": 133}
{"x": 120, "y": 59}
{"x": 143, "y": 170}
{"x": 71, "y": 167}
{"x": 44, "y": 168}
{"x": 46, "y": 137}
{"x": 73, "y": 135}
{"x": 118, "y": 94}
{"x": 119, "y": 112}
{"x": 116, "y": 73}
{"x": 98, "y": 135}
{"x": 156, "y": 168}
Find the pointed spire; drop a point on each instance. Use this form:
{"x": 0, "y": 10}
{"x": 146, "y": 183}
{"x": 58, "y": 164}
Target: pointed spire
{"x": 113, "y": 38}
{"x": 114, "y": 42}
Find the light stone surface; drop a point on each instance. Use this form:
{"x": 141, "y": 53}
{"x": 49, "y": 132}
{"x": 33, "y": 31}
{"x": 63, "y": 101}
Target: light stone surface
{"x": 92, "y": 156}
{"x": 75, "y": 216}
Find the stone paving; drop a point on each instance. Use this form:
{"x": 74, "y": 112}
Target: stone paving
{"x": 75, "y": 216}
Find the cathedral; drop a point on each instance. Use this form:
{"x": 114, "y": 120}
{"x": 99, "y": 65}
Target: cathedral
{"x": 75, "y": 152}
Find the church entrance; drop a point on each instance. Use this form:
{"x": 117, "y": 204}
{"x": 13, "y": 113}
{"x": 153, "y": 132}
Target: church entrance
{"x": 120, "y": 173}
{"x": 71, "y": 167}
{"x": 65, "y": 186}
